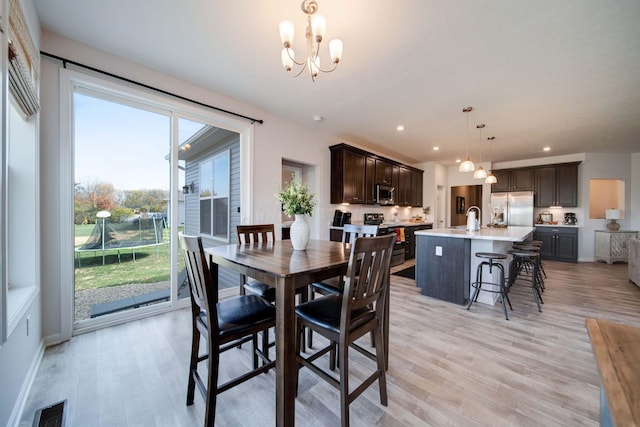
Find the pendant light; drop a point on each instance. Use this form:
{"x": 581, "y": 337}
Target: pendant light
{"x": 480, "y": 173}
{"x": 491, "y": 178}
{"x": 467, "y": 165}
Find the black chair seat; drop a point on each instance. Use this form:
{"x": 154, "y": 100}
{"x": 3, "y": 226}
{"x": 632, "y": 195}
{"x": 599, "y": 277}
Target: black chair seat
{"x": 491, "y": 255}
{"x": 261, "y": 289}
{"x": 325, "y": 313}
{"x": 238, "y": 313}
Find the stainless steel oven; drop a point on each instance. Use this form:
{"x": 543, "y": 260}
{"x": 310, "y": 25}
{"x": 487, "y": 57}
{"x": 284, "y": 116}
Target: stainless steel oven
{"x": 399, "y": 249}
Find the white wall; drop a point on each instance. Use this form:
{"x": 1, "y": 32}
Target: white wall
{"x": 21, "y": 353}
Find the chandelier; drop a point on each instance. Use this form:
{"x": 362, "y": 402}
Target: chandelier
{"x": 467, "y": 165}
{"x": 316, "y": 26}
{"x": 480, "y": 173}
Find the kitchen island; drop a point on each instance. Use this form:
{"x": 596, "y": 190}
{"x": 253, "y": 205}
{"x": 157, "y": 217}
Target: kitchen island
{"x": 446, "y": 263}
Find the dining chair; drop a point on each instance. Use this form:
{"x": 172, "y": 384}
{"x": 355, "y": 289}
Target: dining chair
{"x": 224, "y": 324}
{"x": 343, "y": 318}
{"x": 350, "y": 232}
{"x": 263, "y": 234}
{"x": 258, "y": 233}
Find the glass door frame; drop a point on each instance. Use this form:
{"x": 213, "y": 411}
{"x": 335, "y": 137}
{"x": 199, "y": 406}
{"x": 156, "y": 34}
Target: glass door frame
{"x": 70, "y": 82}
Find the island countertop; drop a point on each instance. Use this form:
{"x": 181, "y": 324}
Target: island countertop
{"x": 508, "y": 234}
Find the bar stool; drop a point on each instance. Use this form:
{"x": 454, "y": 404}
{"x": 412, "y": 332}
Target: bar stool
{"x": 524, "y": 266}
{"x": 490, "y": 262}
{"x": 532, "y": 247}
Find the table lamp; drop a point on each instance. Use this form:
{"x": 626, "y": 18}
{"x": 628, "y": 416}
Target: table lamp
{"x": 613, "y": 214}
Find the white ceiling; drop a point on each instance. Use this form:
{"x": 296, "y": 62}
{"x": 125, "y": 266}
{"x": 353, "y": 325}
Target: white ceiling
{"x": 563, "y": 74}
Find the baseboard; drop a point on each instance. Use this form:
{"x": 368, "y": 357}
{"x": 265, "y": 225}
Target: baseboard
{"x": 16, "y": 414}
{"x": 54, "y": 339}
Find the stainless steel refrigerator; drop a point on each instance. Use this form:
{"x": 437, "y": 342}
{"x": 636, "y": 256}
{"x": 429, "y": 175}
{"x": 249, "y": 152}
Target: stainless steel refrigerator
{"x": 514, "y": 208}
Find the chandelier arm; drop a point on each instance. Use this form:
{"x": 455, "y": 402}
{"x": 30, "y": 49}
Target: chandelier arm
{"x": 335, "y": 65}
{"x": 304, "y": 67}
{"x": 292, "y": 59}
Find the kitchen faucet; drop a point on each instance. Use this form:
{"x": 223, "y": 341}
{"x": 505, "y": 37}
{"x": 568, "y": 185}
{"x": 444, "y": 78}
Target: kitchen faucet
{"x": 473, "y": 224}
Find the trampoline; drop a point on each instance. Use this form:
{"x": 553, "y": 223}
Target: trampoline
{"x": 130, "y": 234}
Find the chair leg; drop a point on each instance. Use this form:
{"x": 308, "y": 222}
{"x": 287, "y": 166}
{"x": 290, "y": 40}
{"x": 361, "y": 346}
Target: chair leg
{"x": 212, "y": 386}
{"x": 193, "y": 363}
{"x": 254, "y": 349}
{"x": 299, "y": 332}
{"x": 382, "y": 379}
{"x": 343, "y": 361}
{"x": 332, "y": 357}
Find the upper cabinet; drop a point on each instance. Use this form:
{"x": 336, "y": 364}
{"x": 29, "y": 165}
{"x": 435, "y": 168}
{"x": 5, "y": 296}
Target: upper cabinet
{"x": 513, "y": 180}
{"x": 384, "y": 172}
{"x": 557, "y": 185}
{"x": 348, "y": 177}
{"x": 355, "y": 173}
{"x": 554, "y": 185}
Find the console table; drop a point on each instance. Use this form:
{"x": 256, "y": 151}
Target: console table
{"x": 611, "y": 246}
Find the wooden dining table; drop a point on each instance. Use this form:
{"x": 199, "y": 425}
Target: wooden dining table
{"x": 280, "y": 266}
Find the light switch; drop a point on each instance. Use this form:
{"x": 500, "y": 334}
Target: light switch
{"x": 438, "y": 250}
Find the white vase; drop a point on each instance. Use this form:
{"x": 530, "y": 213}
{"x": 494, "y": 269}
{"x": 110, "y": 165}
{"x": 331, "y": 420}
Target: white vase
{"x": 299, "y": 233}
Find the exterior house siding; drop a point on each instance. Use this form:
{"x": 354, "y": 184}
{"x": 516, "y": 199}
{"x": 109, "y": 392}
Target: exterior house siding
{"x": 228, "y": 279}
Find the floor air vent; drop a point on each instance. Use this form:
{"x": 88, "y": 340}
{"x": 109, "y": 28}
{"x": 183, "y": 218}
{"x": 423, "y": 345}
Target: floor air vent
{"x": 51, "y": 416}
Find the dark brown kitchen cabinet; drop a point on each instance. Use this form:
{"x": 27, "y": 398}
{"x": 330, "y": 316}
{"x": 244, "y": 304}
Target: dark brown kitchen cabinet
{"x": 348, "y": 177}
{"x": 370, "y": 181}
{"x": 416, "y": 188}
{"x": 403, "y": 189}
{"x": 384, "y": 172}
{"x": 513, "y": 180}
{"x": 355, "y": 173}
{"x": 557, "y": 185}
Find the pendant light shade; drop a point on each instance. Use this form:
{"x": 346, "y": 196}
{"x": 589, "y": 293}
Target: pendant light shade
{"x": 467, "y": 165}
{"x": 480, "y": 173}
{"x": 491, "y": 178}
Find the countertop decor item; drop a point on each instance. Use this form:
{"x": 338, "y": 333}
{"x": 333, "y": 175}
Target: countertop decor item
{"x": 613, "y": 215}
{"x": 297, "y": 200}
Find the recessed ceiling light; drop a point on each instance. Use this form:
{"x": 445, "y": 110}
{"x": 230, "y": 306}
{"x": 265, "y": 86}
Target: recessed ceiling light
{"x": 400, "y": 128}
{"x": 436, "y": 148}
{"x": 318, "y": 118}
{"x": 546, "y": 149}
{"x": 458, "y": 160}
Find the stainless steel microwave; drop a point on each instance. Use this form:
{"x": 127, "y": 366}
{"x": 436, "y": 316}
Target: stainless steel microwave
{"x": 384, "y": 194}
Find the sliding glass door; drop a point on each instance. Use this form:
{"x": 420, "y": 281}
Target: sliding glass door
{"x": 122, "y": 191}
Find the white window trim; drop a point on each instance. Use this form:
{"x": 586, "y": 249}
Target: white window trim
{"x": 70, "y": 79}
{"x": 211, "y": 159}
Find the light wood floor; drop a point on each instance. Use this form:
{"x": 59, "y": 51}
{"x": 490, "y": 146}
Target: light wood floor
{"x": 448, "y": 366}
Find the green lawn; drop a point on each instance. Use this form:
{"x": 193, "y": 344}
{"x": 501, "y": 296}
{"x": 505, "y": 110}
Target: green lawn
{"x": 147, "y": 268}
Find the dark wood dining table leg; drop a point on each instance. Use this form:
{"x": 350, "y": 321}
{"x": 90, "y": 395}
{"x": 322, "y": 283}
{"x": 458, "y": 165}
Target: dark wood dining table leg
{"x": 286, "y": 365}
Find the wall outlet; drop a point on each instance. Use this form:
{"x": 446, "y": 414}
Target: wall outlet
{"x": 438, "y": 250}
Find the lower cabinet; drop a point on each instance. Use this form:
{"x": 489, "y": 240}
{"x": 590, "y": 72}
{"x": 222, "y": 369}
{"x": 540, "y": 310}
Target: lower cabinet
{"x": 410, "y": 250}
{"x": 558, "y": 243}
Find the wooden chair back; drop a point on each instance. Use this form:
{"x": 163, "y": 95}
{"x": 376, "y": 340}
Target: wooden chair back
{"x": 351, "y": 232}
{"x": 203, "y": 295}
{"x": 263, "y": 233}
{"x": 367, "y": 276}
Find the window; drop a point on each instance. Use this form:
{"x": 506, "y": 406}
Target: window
{"x": 214, "y": 196}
